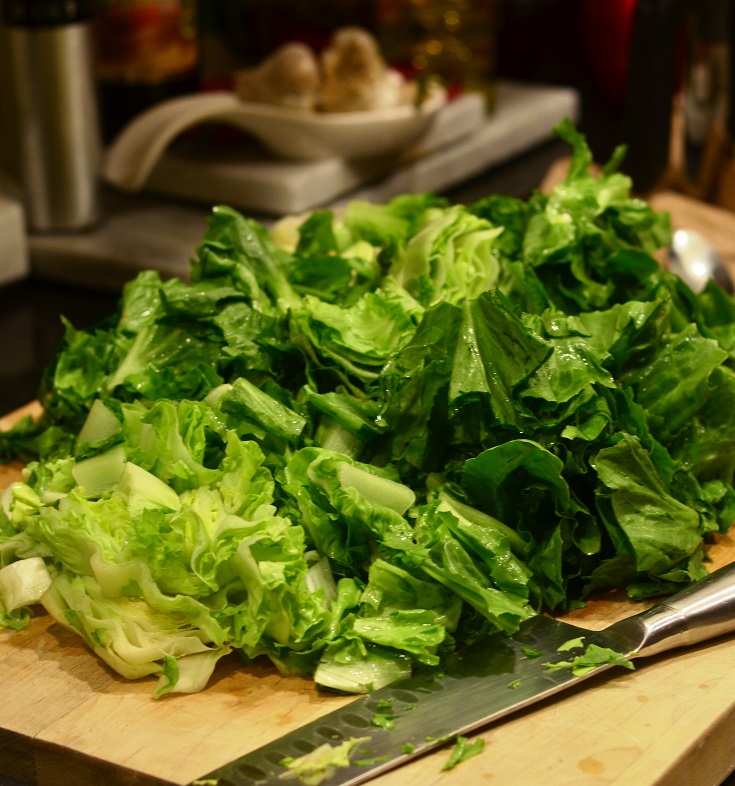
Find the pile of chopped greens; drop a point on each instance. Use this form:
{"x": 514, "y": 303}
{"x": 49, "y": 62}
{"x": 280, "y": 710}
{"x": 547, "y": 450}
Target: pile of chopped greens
{"x": 359, "y": 441}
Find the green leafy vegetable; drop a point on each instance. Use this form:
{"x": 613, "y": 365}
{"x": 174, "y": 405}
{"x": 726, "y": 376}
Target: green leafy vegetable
{"x": 318, "y": 765}
{"x": 366, "y": 438}
{"x": 591, "y": 659}
{"x": 384, "y": 720}
{"x": 571, "y": 644}
{"x": 463, "y": 750}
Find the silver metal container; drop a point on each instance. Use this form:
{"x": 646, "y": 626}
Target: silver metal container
{"x": 53, "y": 92}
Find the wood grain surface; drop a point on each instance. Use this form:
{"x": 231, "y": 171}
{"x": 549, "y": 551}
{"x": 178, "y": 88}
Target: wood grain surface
{"x": 67, "y": 720}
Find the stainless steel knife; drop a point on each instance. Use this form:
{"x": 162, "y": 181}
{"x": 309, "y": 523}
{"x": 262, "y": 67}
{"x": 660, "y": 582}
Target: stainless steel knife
{"x": 481, "y": 684}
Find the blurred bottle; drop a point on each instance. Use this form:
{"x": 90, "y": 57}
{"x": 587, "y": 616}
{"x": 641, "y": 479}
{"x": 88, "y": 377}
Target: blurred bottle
{"x": 455, "y": 40}
{"x": 705, "y": 99}
{"x": 665, "y": 72}
{"x": 145, "y": 52}
{"x": 51, "y": 93}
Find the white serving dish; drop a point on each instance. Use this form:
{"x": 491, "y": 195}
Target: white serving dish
{"x": 288, "y": 133}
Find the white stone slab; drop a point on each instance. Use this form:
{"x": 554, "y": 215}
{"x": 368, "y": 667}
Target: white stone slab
{"x": 463, "y": 142}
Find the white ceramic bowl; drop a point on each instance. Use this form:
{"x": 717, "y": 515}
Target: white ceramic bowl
{"x": 288, "y": 133}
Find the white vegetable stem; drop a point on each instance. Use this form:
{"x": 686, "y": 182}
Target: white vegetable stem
{"x": 23, "y": 583}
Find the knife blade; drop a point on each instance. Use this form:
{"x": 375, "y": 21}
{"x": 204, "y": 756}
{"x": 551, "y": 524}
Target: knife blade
{"x": 482, "y": 684}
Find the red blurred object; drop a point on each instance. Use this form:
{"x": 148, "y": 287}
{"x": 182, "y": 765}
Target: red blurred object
{"x": 145, "y": 41}
{"x": 145, "y": 52}
{"x": 607, "y": 28}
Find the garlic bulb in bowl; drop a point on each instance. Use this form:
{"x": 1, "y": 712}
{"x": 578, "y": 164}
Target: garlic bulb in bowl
{"x": 289, "y": 77}
{"x": 354, "y": 76}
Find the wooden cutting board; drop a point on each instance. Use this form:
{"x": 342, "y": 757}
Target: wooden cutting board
{"x": 67, "y": 720}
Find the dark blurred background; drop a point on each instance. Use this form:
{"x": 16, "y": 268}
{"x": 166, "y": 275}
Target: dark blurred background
{"x": 627, "y": 58}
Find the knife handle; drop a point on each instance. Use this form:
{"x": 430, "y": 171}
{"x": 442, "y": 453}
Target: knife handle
{"x": 700, "y": 612}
